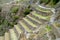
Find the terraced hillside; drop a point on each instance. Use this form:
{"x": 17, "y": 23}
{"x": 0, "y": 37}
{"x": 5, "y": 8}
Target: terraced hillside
{"x": 29, "y": 24}
{"x": 39, "y": 24}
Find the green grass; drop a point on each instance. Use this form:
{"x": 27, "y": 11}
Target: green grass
{"x": 48, "y": 28}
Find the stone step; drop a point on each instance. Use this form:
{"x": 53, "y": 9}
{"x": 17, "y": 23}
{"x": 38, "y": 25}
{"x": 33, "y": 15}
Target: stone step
{"x": 36, "y": 7}
{"x": 35, "y": 21}
{"x": 13, "y": 35}
{"x": 17, "y": 30}
{"x": 25, "y": 26}
{"x": 20, "y": 26}
{"x": 43, "y": 10}
{"x": 42, "y": 13}
{"x": 29, "y": 24}
{"x": 1, "y": 37}
{"x": 40, "y": 16}
{"x": 7, "y": 36}
{"x": 41, "y": 21}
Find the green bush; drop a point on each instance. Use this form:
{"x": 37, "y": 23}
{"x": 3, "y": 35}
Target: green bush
{"x": 11, "y": 24}
{"x": 0, "y": 9}
{"x": 14, "y": 9}
{"x": 16, "y": 17}
{"x": 55, "y": 1}
{"x": 1, "y": 27}
{"x": 27, "y": 11}
{"x": 45, "y": 1}
{"x": 50, "y": 2}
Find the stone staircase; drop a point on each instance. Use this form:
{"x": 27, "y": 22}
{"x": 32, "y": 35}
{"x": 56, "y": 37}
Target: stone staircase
{"x": 28, "y": 24}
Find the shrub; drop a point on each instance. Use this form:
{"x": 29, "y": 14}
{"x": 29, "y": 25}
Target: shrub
{"x": 0, "y": 9}
{"x": 14, "y": 9}
{"x": 44, "y": 1}
{"x": 16, "y": 17}
{"x": 11, "y": 24}
{"x": 55, "y": 1}
{"x": 27, "y": 11}
{"x": 48, "y": 27}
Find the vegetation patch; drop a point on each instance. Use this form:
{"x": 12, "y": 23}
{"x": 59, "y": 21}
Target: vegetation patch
{"x": 51, "y": 3}
{"x": 7, "y": 22}
{"x": 27, "y": 10}
{"x": 10, "y": 21}
{"x": 0, "y": 8}
{"x": 45, "y": 1}
{"x": 48, "y": 28}
{"x": 14, "y": 9}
